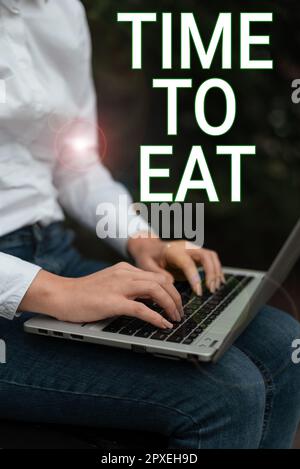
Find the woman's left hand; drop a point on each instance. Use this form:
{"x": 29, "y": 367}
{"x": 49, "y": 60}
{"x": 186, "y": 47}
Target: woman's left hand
{"x": 178, "y": 257}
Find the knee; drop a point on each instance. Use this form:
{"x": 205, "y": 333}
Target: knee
{"x": 286, "y": 342}
{"x": 278, "y": 326}
{"x": 269, "y": 338}
{"x": 246, "y": 397}
{"x": 232, "y": 414}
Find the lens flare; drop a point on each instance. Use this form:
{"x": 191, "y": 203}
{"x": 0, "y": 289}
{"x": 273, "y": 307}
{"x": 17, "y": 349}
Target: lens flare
{"x": 79, "y": 144}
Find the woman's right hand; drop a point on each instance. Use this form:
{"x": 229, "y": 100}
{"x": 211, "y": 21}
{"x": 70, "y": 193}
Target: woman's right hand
{"x": 104, "y": 294}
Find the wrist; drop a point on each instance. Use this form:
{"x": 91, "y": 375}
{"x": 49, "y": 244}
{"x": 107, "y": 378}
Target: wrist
{"x": 137, "y": 243}
{"x": 48, "y": 294}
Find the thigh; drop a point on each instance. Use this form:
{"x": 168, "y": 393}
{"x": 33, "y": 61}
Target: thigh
{"x": 58, "y": 254}
{"x": 268, "y": 340}
{"x": 78, "y": 266}
{"x": 53, "y": 380}
{"x": 268, "y": 343}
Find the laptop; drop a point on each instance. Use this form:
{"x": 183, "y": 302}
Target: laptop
{"x": 211, "y": 323}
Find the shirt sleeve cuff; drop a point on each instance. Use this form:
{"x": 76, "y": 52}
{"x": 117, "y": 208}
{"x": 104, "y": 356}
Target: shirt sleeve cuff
{"x": 16, "y": 277}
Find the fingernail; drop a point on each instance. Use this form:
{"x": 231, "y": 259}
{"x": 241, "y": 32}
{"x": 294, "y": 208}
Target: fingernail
{"x": 167, "y": 324}
{"x": 212, "y": 286}
{"x": 195, "y": 279}
{"x": 198, "y": 289}
{"x": 178, "y": 315}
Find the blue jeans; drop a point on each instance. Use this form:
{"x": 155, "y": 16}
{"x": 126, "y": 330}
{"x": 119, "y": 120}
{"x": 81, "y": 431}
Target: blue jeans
{"x": 249, "y": 399}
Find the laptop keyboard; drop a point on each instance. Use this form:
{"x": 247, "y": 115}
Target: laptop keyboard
{"x": 199, "y": 313}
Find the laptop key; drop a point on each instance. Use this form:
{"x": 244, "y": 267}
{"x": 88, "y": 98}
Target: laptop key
{"x": 127, "y": 331}
{"x": 194, "y": 335}
{"x": 188, "y": 341}
{"x": 175, "y": 338}
{"x": 117, "y": 324}
{"x": 159, "y": 336}
{"x": 176, "y": 325}
{"x": 181, "y": 333}
{"x": 132, "y": 328}
{"x": 185, "y": 299}
{"x": 145, "y": 332}
{"x": 111, "y": 328}
{"x": 197, "y": 301}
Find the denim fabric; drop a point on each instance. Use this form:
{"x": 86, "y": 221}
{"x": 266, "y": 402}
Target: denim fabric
{"x": 249, "y": 399}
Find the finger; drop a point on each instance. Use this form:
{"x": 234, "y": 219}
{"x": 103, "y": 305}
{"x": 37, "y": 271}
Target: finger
{"x": 218, "y": 269}
{"x": 152, "y": 290}
{"x": 147, "y": 263}
{"x": 124, "y": 266}
{"x": 141, "y": 311}
{"x": 204, "y": 257}
{"x": 185, "y": 263}
{"x": 164, "y": 283}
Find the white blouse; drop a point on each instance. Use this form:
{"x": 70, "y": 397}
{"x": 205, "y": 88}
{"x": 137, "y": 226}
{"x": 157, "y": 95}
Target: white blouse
{"x": 49, "y": 146}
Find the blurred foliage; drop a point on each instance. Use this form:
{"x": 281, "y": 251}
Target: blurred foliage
{"x": 131, "y": 113}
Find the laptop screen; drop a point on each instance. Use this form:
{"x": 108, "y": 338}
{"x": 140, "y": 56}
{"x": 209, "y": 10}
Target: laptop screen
{"x": 253, "y": 237}
{"x": 272, "y": 240}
